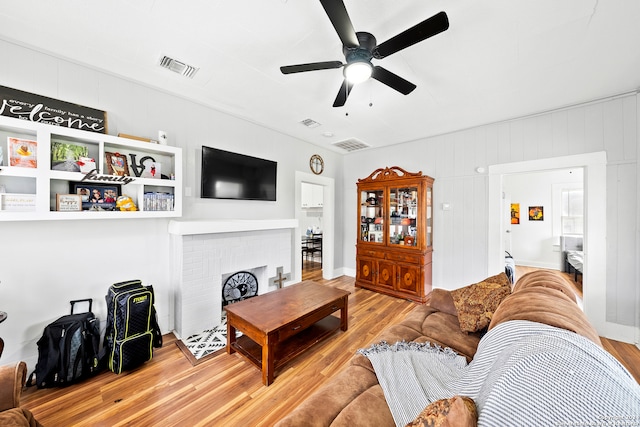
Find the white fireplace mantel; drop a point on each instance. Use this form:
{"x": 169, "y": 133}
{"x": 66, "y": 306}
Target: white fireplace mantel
{"x": 204, "y": 252}
{"x": 186, "y": 227}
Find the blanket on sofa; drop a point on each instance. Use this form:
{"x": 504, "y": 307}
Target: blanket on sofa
{"x": 524, "y": 373}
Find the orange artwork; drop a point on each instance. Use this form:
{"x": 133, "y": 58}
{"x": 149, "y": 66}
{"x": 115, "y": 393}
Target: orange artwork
{"x": 515, "y": 213}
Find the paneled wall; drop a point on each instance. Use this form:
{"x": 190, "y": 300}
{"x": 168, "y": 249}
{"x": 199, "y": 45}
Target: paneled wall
{"x": 460, "y": 234}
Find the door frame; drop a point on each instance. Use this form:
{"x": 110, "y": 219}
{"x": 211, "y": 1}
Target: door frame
{"x": 595, "y": 254}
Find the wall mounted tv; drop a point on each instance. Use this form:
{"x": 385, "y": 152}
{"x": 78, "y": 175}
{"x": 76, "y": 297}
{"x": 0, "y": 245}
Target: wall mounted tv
{"x": 227, "y": 175}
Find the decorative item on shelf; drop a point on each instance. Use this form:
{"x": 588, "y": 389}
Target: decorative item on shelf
{"x": 156, "y": 201}
{"x": 137, "y": 138}
{"x": 151, "y": 170}
{"x": 139, "y": 167}
{"x": 14, "y": 202}
{"x": 87, "y": 164}
{"x": 96, "y": 196}
{"x": 125, "y": 203}
{"x": 22, "y": 152}
{"x": 36, "y": 108}
{"x": 68, "y": 202}
{"x": 162, "y": 138}
{"x": 66, "y": 157}
{"x": 409, "y": 240}
{"x": 116, "y": 164}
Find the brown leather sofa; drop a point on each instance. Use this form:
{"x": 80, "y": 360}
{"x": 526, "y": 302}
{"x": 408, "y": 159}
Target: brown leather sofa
{"x": 12, "y": 380}
{"x": 355, "y": 398}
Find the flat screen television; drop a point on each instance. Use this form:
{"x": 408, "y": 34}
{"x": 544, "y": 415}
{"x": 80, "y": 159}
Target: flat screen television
{"x": 227, "y": 175}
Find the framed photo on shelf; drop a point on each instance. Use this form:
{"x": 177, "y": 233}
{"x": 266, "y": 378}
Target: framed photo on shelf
{"x": 96, "y": 196}
{"x": 65, "y": 156}
{"x": 116, "y": 164}
{"x": 68, "y": 202}
{"x": 22, "y": 152}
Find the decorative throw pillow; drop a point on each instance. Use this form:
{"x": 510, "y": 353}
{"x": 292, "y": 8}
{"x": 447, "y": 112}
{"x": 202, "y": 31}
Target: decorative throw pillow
{"x": 441, "y": 300}
{"x": 476, "y": 303}
{"x": 457, "y": 411}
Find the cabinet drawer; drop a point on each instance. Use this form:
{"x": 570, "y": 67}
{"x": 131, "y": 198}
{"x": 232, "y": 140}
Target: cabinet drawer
{"x": 370, "y": 253}
{"x": 404, "y": 257}
{"x": 308, "y": 320}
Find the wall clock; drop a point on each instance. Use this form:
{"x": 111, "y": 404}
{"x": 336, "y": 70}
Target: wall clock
{"x": 316, "y": 164}
{"x": 239, "y": 286}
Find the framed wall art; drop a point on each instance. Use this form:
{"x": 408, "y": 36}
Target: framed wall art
{"x": 536, "y": 213}
{"x": 116, "y": 164}
{"x": 96, "y": 196}
{"x": 515, "y": 213}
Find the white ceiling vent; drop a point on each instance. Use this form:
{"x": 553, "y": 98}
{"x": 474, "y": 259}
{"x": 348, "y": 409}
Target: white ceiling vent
{"x": 178, "y": 66}
{"x": 351, "y": 144}
{"x": 310, "y": 123}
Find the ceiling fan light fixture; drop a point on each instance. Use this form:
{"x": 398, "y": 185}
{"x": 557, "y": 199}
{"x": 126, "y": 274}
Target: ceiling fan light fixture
{"x": 358, "y": 72}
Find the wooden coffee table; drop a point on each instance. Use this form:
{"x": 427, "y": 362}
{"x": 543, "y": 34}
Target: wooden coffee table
{"x": 279, "y": 325}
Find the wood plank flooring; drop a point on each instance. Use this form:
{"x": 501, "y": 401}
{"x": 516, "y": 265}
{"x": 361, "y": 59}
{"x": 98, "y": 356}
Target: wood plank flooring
{"x": 227, "y": 390}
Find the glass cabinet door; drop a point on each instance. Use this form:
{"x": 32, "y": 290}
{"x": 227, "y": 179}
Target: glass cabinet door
{"x": 371, "y": 215}
{"x": 403, "y": 214}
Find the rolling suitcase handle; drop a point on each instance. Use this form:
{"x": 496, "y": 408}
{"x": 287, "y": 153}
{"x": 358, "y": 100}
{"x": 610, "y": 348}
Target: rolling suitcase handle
{"x": 89, "y": 300}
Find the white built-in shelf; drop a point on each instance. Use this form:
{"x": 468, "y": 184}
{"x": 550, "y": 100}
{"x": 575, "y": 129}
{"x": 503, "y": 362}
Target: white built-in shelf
{"x": 45, "y": 183}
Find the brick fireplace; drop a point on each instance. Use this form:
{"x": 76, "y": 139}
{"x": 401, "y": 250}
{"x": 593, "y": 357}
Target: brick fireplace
{"x": 204, "y": 252}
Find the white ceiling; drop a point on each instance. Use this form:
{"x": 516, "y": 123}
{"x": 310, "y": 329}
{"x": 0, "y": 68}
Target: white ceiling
{"x": 499, "y": 59}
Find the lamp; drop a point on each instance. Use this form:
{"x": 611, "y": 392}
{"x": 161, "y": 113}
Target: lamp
{"x": 358, "y": 72}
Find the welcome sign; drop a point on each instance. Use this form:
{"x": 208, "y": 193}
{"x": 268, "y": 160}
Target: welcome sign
{"x": 29, "y": 106}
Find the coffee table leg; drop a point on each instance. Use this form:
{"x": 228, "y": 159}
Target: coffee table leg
{"x": 231, "y": 338}
{"x": 267, "y": 362}
{"x": 344, "y": 315}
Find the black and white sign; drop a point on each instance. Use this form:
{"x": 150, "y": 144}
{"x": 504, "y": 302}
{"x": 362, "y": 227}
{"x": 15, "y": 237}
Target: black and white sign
{"x": 28, "y": 106}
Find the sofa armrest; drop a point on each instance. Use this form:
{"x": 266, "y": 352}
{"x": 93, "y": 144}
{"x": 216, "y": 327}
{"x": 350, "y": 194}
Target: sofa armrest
{"x": 12, "y": 379}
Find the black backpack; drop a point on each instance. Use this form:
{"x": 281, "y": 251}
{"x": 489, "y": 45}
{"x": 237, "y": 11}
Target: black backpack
{"x": 132, "y": 329}
{"x": 68, "y": 349}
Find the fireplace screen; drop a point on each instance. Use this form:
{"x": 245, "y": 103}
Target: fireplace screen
{"x": 239, "y": 286}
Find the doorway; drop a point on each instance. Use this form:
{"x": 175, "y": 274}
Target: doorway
{"x": 594, "y": 276}
{"x": 325, "y": 222}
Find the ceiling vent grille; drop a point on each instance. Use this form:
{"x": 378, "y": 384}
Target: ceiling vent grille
{"x": 178, "y": 67}
{"x": 310, "y": 123}
{"x": 351, "y": 144}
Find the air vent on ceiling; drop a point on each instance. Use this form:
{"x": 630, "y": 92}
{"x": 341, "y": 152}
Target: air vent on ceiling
{"x": 310, "y": 123}
{"x": 351, "y": 144}
{"x": 178, "y": 66}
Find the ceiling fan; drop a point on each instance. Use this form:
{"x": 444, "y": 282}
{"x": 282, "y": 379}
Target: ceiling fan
{"x": 360, "y": 48}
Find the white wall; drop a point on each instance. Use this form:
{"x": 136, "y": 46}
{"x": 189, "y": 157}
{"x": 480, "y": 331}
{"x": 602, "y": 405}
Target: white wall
{"x": 537, "y": 243}
{"x": 460, "y": 234}
{"x": 45, "y": 264}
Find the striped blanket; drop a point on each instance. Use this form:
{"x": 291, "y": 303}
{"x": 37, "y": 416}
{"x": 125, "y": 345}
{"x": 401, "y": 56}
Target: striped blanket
{"x": 523, "y": 374}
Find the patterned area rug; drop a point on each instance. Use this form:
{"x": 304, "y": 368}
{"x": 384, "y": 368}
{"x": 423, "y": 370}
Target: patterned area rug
{"x": 208, "y": 342}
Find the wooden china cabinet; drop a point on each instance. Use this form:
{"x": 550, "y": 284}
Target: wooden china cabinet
{"x": 395, "y": 238}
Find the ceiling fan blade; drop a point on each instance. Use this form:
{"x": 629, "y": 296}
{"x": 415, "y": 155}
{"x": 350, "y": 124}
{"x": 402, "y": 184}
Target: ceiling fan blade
{"x": 392, "y": 80}
{"x": 422, "y": 31}
{"x": 339, "y": 17}
{"x": 343, "y": 93}
{"x": 290, "y": 69}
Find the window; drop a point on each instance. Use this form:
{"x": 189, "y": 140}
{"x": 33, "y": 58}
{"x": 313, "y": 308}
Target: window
{"x": 572, "y": 211}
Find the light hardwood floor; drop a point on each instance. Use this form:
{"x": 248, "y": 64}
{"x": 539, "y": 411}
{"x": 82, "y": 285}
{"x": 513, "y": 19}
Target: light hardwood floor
{"x": 227, "y": 390}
